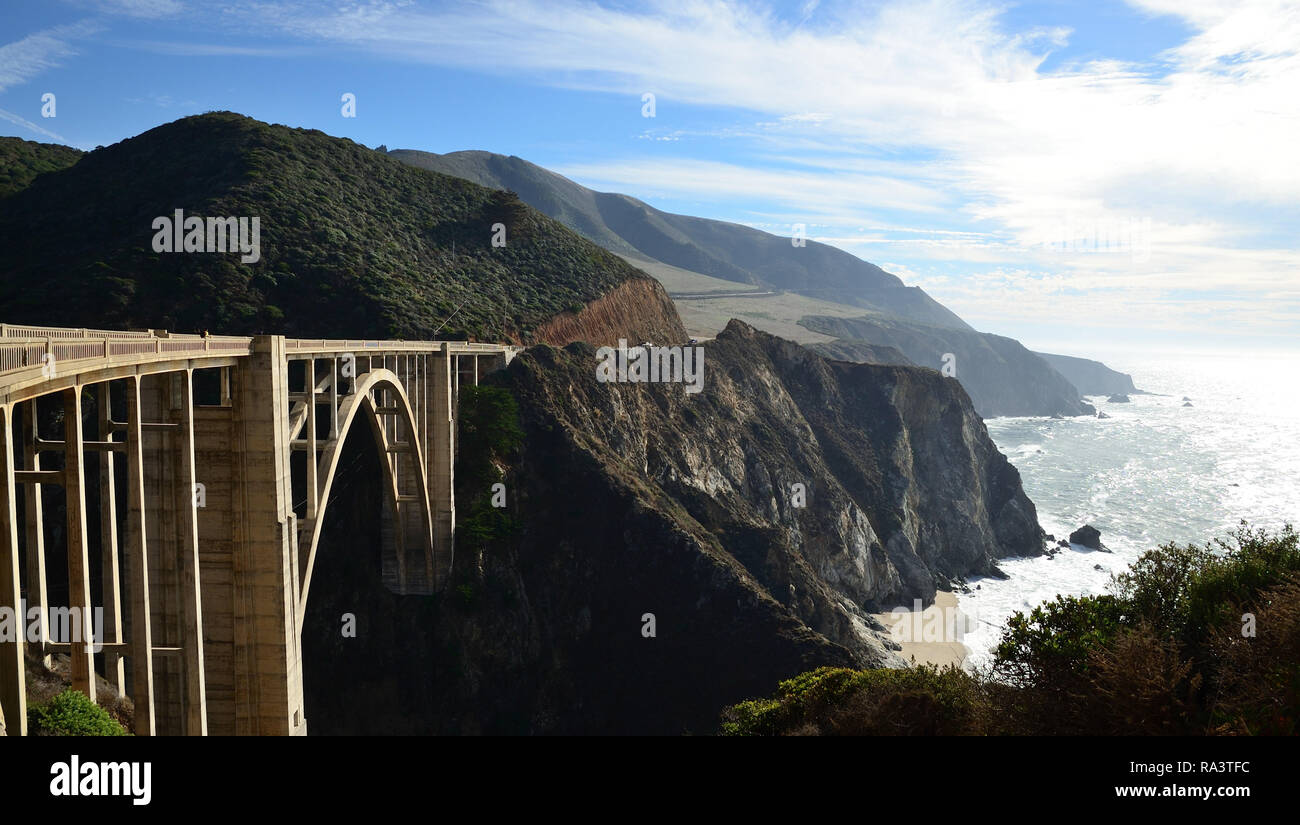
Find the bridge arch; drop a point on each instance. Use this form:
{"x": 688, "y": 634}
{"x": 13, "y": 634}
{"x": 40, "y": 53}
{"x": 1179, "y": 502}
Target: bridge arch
{"x": 377, "y": 394}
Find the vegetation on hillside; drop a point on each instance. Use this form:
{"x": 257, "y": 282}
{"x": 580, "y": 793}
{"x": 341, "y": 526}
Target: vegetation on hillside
{"x": 1193, "y": 640}
{"x": 22, "y": 160}
{"x": 72, "y": 713}
{"x": 352, "y": 242}
{"x": 489, "y": 434}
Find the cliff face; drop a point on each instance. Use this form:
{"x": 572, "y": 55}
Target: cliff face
{"x": 1001, "y": 376}
{"x": 637, "y": 499}
{"x": 1090, "y": 377}
{"x": 636, "y": 310}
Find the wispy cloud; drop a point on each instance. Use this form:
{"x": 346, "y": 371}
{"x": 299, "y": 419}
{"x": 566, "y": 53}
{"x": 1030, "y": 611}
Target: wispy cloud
{"x": 187, "y": 49}
{"x": 32, "y": 127}
{"x": 24, "y": 59}
{"x": 149, "y": 9}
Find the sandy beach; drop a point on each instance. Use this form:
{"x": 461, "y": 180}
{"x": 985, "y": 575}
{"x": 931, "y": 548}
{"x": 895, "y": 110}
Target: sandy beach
{"x": 931, "y": 636}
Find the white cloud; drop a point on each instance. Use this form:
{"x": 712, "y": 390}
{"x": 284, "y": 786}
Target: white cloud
{"x": 806, "y": 194}
{"x": 24, "y": 59}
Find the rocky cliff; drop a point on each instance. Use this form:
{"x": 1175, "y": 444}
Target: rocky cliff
{"x": 636, "y": 499}
{"x": 1002, "y": 377}
{"x": 1090, "y": 377}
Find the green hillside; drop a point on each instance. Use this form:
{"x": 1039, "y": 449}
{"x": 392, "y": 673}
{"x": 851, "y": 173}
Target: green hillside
{"x": 22, "y": 160}
{"x": 717, "y": 249}
{"x": 352, "y": 242}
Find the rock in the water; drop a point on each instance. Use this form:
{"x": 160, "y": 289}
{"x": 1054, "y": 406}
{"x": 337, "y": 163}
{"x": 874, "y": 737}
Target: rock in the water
{"x": 1101, "y": 414}
{"x": 1187, "y": 403}
{"x": 1063, "y": 543}
{"x": 1097, "y": 567}
{"x": 1185, "y": 398}
{"x": 1087, "y": 536}
{"x": 1118, "y": 398}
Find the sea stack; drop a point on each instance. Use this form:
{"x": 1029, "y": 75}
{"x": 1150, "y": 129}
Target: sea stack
{"x": 1088, "y": 536}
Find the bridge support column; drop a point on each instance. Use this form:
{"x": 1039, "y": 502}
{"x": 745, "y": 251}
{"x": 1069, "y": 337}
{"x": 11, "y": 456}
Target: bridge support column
{"x": 74, "y": 487}
{"x": 267, "y": 651}
{"x": 172, "y": 499}
{"x": 140, "y": 627}
{"x": 114, "y": 665}
{"x": 13, "y": 672}
{"x": 440, "y": 457}
{"x": 34, "y": 515}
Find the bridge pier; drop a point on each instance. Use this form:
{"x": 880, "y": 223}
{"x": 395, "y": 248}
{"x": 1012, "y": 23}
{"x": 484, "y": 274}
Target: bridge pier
{"x": 13, "y": 668}
{"x": 267, "y": 654}
{"x": 440, "y": 454}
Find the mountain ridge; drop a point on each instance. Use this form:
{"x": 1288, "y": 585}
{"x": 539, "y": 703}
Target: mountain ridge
{"x": 720, "y": 249}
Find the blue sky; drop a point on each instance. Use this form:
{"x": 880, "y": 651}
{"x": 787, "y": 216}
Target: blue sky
{"x": 1086, "y": 176}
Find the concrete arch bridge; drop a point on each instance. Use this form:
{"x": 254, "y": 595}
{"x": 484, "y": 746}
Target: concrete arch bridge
{"x": 227, "y": 448}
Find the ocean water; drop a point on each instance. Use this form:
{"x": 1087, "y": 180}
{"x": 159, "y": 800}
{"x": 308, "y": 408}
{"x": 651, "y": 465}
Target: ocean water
{"x": 1154, "y": 472}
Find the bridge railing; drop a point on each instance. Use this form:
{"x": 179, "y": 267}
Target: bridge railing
{"x": 362, "y": 345}
{"x": 24, "y": 347}
{"x": 23, "y": 331}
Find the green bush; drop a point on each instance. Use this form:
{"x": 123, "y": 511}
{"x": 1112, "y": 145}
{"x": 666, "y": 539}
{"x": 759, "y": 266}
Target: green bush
{"x": 914, "y": 700}
{"x": 488, "y": 435}
{"x": 72, "y": 713}
{"x": 1056, "y": 638}
{"x": 1164, "y": 652}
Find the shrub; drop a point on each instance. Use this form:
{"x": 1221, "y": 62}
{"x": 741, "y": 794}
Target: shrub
{"x": 488, "y": 434}
{"x": 72, "y": 713}
{"x": 1165, "y": 652}
{"x": 1256, "y": 687}
{"x": 1056, "y": 638}
{"x": 918, "y": 700}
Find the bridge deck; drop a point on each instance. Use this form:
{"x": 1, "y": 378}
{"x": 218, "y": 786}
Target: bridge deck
{"x": 81, "y": 355}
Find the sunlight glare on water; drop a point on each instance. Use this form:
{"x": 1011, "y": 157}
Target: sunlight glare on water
{"x": 1154, "y": 472}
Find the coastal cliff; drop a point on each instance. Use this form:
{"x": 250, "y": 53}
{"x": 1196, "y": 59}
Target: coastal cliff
{"x": 1090, "y": 377}
{"x": 1001, "y": 376}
